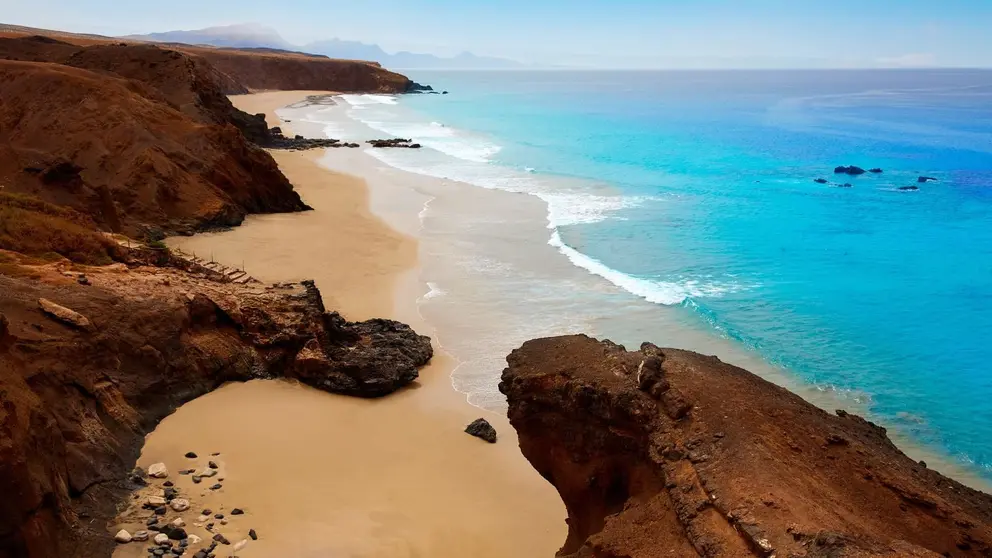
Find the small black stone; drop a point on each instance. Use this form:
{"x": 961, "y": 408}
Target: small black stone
{"x": 215, "y": 454}
{"x": 191, "y": 455}
{"x": 207, "y": 511}
{"x": 155, "y": 528}
{"x": 158, "y": 552}
{"x": 167, "y": 483}
{"x": 184, "y": 542}
{"x": 152, "y": 520}
{"x": 221, "y": 539}
{"x": 171, "y": 493}
{"x": 219, "y": 516}
{"x": 210, "y": 526}
{"x": 212, "y": 464}
{"x": 197, "y": 480}
{"x": 160, "y": 510}
{"x": 200, "y": 554}
{"x": 216, "y": 487}
{"x": 177, "y": 533}
{"x": 237, "y": 511}
{"x": 253, "y": 534}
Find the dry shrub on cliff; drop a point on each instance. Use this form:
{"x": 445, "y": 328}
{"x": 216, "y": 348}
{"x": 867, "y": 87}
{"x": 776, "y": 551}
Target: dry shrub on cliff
{"x": 36, "y": 228}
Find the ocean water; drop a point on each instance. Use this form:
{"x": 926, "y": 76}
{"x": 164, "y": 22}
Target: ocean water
{"x": 688, "y": 198}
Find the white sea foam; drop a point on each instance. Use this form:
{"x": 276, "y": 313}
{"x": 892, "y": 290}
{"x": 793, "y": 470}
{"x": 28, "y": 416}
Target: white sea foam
{"x": 658, "y": 292}
{"x": 433, "y": 291}
{"x": 446, "y": 140}
{"x": 368, "y": 99}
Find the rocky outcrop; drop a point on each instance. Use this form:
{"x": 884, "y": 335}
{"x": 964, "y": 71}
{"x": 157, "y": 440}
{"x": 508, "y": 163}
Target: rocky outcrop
{"x": 126, "y": 156}
{"x": 75, "y": 403}
{"x": 662, "y": 452}
{"x": 394, "y": 142}
{"x": 299, "y": 143}
{"x": 851, "y": 170}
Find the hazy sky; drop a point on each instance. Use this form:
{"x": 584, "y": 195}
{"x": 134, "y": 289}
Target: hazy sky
{"x": 630, "y": 33}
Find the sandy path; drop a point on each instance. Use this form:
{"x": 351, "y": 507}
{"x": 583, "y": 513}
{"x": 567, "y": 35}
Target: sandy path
{"x": 331, "y": 476}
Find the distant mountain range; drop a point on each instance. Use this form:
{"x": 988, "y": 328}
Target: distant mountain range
{"x": 258, "y": 36}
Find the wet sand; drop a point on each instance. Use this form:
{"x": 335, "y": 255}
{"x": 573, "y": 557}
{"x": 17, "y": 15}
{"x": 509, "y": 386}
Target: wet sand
{"x": 325, "y": 475}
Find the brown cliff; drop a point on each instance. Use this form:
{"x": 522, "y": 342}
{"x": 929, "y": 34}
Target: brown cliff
{"x": 117, "y": 151}
{"x": 662, "y": 452}
{"x": 76, "y": 401}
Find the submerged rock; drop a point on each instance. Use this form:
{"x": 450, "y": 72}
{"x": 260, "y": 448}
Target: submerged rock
{"x": 908, "y": 188}
{"x": 875, "y": 170}
{"x": 852, "y": 170}
{"x": 820, "y": 180}
{"x": 480, "y": 428}
{"x": 925, "y": 179}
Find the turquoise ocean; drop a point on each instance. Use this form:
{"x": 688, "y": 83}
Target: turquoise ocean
{"x": 695, "y": 192}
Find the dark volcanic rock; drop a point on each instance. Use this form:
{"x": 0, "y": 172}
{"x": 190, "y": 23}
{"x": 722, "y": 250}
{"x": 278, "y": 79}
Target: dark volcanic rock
{"x": 845, "y": 185}
{"x": 191, "y": 455}
{"x": 394, "y": 142}
{"x": 820, "y": 180}
{"x": 925, "y": 179}
{"x": 414, "y": 87}
{"x": 662, "y": 452}
{"x": 908, "y": 188}
{"x": 875, "y": 170}
{"x": 253, "y": 534}
{"x": 480, "y": 428}
{"x": 299, "y": 143}
{"x": 852, "y": 170}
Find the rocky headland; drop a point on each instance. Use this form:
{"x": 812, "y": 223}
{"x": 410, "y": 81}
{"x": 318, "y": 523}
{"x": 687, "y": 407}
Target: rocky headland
{"x": 662, "y": 452}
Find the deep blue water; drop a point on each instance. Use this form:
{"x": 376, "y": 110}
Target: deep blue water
{"x": 710, "y": 204}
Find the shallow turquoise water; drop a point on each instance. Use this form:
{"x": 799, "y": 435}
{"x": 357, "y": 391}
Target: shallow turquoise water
{"x": 696, "y": 189}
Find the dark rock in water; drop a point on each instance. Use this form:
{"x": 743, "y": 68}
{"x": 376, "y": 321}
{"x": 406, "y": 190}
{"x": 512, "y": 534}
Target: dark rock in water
{"x": 191, "y": 455}
{"x": 820, "y": 181}
{"x": 875, "y": 170}
{"x": 414, "y": 87}
{"x": 237, "y": 511}
{"x": 852, "y": 170}
{"x": 844, "y": 185}
{"x": 925, "y": 179}
{"x": 221, "y": 539}
{"x": 394, "y": 142}
{"x": 253, "y": 534}
{"x": 908, "y": 188}
{"x": 444, "y": 92}
{"x": 212, "y": 464}
{"x": 480, "y": 428}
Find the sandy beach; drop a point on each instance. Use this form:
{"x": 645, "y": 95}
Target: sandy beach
{"x": 325, "y": 475}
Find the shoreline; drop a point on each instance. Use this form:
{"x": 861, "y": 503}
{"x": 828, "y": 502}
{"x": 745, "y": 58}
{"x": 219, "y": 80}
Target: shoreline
{"x": 386, "y": 478}
{"x": 453, "y": 198}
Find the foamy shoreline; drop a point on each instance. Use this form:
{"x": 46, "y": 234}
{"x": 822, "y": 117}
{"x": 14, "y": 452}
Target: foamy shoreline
{"x": 325, "y": 475}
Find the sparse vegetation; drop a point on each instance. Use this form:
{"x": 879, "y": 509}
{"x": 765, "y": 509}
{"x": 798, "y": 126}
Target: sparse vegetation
{"x": 49, "y": 232}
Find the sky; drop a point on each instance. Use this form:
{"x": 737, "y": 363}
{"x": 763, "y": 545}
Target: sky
{"x": 614, "y": 33}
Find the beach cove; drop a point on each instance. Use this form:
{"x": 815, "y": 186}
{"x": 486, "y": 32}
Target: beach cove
{"x": 319, "y": 474}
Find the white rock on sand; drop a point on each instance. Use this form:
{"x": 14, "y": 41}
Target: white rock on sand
{"x": 122, "y": 536}
{"x": 156, "y": 501}
{"x": 161, "y": 538}
{"x": 140, "y": 536}
{"x": 180, "y": 504}
{"x": 64, "y": 314}
{"x": 158, "y": 471}
{"x": 178, "y": 522}
{"x": 193, "y": 539}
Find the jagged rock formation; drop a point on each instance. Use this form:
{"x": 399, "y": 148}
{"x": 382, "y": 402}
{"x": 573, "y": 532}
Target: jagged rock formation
{"x": 662, "y": 452}
{"x": 75, "y": 403}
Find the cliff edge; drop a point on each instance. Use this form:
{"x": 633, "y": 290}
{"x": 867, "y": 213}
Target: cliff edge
{"x": 662, "y": 452}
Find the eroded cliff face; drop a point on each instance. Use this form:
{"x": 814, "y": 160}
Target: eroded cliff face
{"x": 662, "y": 452}
{"x": 76, "y": 399}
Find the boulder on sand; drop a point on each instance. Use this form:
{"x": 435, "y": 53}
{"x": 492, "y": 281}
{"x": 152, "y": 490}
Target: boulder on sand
{"x": 158, "y": 471}
{"x": 122, "y": 536}
{"x": 480, "y": 428}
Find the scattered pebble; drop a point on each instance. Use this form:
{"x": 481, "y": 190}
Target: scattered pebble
{"x": 152, "y": 520}
{"x": 193, "y": 539}
{"x": 202, "y": 518}
{"x": 215, "y": 454}
{"x": 179, "y": 504}
{"x": 196, "y": 480}
{"x": 212, "y": 464}
{"x": 217, "y": 486}
{"x": 140, "y": 536}
{"x": 178, "y": 522}
{"x": 167, "y": 484}
{"x": 221, "y": 539}
{"x": 170, "y": 493}
{"x": 156, "y": 501}
{"x": 190, "y": 455}
{"x": 158, "y": 471}
{"x": 253, "y": 534}
{"x": 207, "y": 511}
{"x": 161, "y": 538}
{"x": 223, "y": 522}
{"x": 122, "y": 536}
{"x": 218, "y": 516}
{"x": 161, "y": 510}
{"x": 237, "y": 511}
